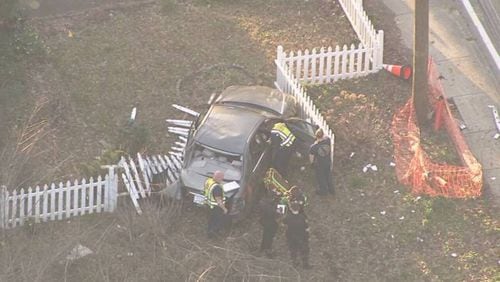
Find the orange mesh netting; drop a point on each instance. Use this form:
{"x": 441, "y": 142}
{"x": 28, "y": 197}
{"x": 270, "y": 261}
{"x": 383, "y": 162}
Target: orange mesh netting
{"x": 413, "y": 165}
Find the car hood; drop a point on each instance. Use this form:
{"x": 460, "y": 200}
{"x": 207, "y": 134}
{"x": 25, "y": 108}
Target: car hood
{"x": 200, "y": 168}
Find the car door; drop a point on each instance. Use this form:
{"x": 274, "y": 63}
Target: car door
{"x": 259, "y": 159}
{"x": 304, "y": 133}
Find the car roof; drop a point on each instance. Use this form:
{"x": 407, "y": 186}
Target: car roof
{"x": 227, "y": 128}
{"x": 258, "y": 96}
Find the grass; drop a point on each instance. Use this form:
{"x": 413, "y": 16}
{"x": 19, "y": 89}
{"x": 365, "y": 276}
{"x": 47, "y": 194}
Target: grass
{"x": 373, "y": 230}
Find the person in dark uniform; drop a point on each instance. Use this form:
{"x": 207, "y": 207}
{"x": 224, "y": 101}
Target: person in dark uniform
{"x": 282, "y": 140}
{"x": 297, "y": 235}
{"x": 320, "y": 158}
{"x": 214, "y": 195}
{"x": 297, "y": 196}
{"x": 268, "y": 220}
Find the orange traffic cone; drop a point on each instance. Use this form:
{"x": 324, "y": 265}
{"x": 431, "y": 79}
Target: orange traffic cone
{"x": 399, "y": 71}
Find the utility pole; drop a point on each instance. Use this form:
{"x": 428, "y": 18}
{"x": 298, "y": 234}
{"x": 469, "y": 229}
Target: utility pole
{"x": 420, "y": 86}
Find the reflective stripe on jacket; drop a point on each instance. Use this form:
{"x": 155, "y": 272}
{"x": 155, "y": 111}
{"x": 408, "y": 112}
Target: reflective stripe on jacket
{"x": 287, "y": 138}
{"x": 209, "y": 196}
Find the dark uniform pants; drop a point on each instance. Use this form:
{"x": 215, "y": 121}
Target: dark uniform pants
{"x": 281, "y": 160}
{"x": 216, "y": 221}
{"x": 324, "y": 178}
{"x": 299, "y": 249}
{"x": 268, "y": 233}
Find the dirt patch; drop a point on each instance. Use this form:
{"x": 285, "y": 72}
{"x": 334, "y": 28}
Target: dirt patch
{"x": 101, "y": 63}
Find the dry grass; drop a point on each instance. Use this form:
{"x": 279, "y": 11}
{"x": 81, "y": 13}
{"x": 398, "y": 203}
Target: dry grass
{"x": 137, "y": 55}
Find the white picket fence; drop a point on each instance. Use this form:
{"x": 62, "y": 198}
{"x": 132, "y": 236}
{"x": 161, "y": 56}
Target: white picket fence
{"x": 286, "y": 83}
{"x": 57, "y": 202}
{"x": 328, "y": 65}
{"x": 325, "y": 65}
{"x": 360, "y": 22}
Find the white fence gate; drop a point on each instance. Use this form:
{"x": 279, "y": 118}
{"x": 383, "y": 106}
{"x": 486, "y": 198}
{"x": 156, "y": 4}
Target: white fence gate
{"x": 57, "y": 202}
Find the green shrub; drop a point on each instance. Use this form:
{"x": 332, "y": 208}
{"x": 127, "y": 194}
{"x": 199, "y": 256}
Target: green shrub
{"x": 134, "y": 138}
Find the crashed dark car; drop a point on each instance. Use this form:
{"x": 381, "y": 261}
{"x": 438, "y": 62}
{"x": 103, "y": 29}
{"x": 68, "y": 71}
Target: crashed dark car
{"x": 232, "y": 136}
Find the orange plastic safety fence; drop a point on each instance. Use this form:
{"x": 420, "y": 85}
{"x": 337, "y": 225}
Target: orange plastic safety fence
{"x": 416, "y": 169}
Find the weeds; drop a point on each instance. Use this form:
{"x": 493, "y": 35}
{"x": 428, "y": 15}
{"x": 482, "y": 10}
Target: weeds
{"x": 358, "y": 182}
{"x": 94, "y": 167}
{"x": 134, "y": 138}
{"x": 27, "y": 42}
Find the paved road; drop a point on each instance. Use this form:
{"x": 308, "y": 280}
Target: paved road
{"x": 468, "y": 79}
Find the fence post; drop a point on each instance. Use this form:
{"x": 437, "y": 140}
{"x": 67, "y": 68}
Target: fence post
{"x": 111, "y": 194}
{"x": 380, "y": 49}
{"x": 3, "y": 207}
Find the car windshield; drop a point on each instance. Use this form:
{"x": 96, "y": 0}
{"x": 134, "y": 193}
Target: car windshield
{"x": 206, "y": 161}
{"x": 253, "y": 105}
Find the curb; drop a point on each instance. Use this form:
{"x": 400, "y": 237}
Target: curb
{"x": 479, "y": 30}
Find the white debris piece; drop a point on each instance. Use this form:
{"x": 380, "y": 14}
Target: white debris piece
{"x": 493, "y": 178}
{"x": 396, "y": 191}
{"x": 453, "y": 255}
{"x": 133, "y": 114}
{"x": 186, "y": 110}
{"x": 496, "y": 136}
{"x": 180, "y": 122}
{"x": 79, "y": 251}
{"x": 372, "y": 217}
{"x": 392, "y": 164}
{"x": 420, "y": 239}
{"x": 352, "y": 155}
{"x": 401, "y": 218}
{"x": 370, "y": 166}
{"x": 496, "y": 117}
{"x": 382, "y": 212}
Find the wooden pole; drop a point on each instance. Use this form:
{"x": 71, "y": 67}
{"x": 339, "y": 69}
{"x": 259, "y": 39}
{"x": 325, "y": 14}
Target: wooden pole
{"x": 420, "y": 61}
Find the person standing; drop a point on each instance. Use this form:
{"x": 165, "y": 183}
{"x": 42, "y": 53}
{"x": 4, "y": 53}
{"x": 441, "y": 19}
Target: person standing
{"x": 282, "y": 140}
{"x": 269, "y": 221}
{"x": 214, "y": 195}
{"x": 320, "y": 158}
{"x": 297, "y": 196}
{"x": 297, "y": 235}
